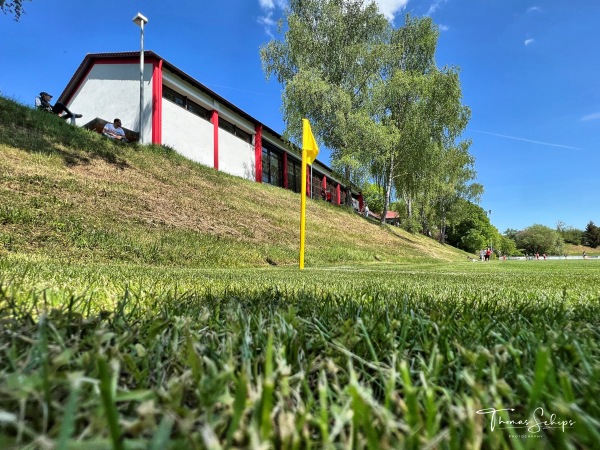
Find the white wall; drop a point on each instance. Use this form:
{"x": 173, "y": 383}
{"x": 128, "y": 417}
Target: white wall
{"x": 187, "y": 133}
{"x": 236, "y": 156}
{"x": 113, "y": 90}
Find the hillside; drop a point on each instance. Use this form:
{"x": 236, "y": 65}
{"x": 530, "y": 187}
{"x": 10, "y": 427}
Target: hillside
{"x": 69, "y": 194}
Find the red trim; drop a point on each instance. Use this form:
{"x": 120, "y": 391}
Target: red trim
{"x": 122, "y": 61}
{"x": 79, "y": 83}
{"x": 285, "y": 171}
{"x": 67, "y": 101}
{"x": 324, "y": 183}
{"x": 258, "y": 152}
{"x": 157, "y": 102}
{"x": 338, "y": 194}
{"x": 215, "y": 121}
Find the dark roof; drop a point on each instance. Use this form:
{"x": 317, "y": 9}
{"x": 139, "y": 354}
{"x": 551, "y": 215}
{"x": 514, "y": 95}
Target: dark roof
{"x": 149, "y": 55}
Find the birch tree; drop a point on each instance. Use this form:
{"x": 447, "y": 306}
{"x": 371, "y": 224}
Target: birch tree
{"x": 327, "y": 63}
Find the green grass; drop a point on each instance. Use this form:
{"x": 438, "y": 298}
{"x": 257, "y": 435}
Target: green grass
{"x": 69, "y": 194}
{"x": 139, "y": 310}
{"x": 386, "y": 356}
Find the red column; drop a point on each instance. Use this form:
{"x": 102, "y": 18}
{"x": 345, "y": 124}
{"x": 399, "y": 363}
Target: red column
{"x": 360, "y": 202}
{"x": 285, "y": 171}
{"x": 215, "y": 121}
{"x": 338, "y": 194}
{"x": 258, "y": 153}
{"x": 157, "y": 102}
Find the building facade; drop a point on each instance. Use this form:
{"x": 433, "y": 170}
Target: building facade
{"x": 182, "y": 113}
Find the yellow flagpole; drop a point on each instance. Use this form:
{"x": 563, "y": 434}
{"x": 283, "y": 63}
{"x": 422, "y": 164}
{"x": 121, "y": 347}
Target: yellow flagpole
{"x": 302, "y": 209}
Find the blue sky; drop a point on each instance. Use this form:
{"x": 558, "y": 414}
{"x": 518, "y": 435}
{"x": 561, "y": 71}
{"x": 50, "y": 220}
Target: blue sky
{"x": 529, "y": 72}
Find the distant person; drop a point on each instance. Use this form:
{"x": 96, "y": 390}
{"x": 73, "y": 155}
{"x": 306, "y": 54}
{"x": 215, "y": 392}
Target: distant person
{"x": 481, "y": 254}
{"x": 488, "y": 253}
{"x": 366, "y": 211}
{"x": 114, "y": 131}
{"x": 584, "y": 255}
{"x": 544, "y": 255}
{"x": 43, "y": 104}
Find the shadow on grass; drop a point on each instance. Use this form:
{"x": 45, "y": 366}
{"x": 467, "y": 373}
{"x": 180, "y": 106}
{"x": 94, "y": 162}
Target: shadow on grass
{"x": 41, "y": 132}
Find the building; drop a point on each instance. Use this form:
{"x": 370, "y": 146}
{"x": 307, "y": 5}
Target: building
{"x": 182, "y": 113}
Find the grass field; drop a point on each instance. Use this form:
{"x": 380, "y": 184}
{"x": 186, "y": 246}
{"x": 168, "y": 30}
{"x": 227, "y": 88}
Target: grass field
{"x": 381, "y": 356}
{"x": 149, "y": 302}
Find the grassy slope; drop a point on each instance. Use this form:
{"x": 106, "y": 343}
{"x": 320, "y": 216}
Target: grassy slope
{"x": 578, "y": 250}
{"x": 70, "y": 194}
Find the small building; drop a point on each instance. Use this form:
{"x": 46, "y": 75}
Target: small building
{"x": 391, "y": 218}
{"x": 182, "y": 113}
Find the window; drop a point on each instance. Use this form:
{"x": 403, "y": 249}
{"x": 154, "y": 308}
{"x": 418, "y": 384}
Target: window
{"x": 231, "y": 128}
{"x": 294, "y": 174}
{"x": 272, "y": 167}
{"x": 246, "y": 137}
{"x": 175, "y": 97}
{"x": 194, "y": 108}
{"x": 184, "y": 102}
{"x": 227, "y": 126}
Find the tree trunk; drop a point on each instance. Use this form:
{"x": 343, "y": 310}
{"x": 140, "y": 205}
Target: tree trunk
{"x": 388, "y": 191}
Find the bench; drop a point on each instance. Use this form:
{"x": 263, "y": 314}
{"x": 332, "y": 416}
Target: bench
{"x": 97, "y": 125}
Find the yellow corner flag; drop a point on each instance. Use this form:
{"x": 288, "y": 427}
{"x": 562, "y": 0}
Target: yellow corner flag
{"x": 309, "y": 145}
{"x": 309, "y": 154}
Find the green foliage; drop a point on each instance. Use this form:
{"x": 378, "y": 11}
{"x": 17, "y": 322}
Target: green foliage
{"x": 379, "y": 357}
{"x": 374, "y": 197}
{"x": 507, "y": 246}
{"x": 470, "y": 229}
{"x": 591, "y": 235}
{"x": 569, "y": 234}
{"x": 358, "y": 80}
{"x": 540, "y": 239}
{"x": 14, "y": 7}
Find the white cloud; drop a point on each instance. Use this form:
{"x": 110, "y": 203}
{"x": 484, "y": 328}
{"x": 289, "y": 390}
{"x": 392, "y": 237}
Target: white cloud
{"x": 529, "y": 42}
{"x": 267, "y": 20}
{"x": 534, "y": 9}
{"x": 443, "y": 27}
{"x": 266, "y": 4}
{"x": 435, "y": 6}
{"x": 389, "y": 8}
{"x": 594, "y": 116}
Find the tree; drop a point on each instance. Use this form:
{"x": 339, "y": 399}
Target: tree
{"x": 507, "y": 246}
{"x": 540, "y": 239}
{"x": 470, "y": 229}
{"x": 373, "y": 197}
{"x": 591, "y": 235}
{"x": 326, "y": 63}
{"x": 569, "y": 234}
{"x": 421, "y": 107}
{"x": 14, "y": 7}
{"x": 372, "y": 93}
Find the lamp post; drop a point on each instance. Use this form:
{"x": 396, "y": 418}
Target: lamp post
{"x": 140, "y": 20}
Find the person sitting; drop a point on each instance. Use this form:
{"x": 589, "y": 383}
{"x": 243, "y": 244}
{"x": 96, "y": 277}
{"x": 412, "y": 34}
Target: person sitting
{"x": 43, "y": 104}
{"x": 114, "y": 131}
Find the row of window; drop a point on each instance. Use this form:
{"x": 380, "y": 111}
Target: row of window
{"x": 272, "y": 172}
{"x": 200, "y": 111}
{"x": 272, "y": 160}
